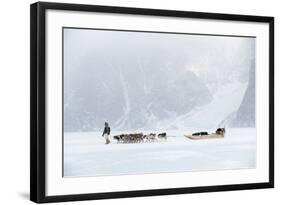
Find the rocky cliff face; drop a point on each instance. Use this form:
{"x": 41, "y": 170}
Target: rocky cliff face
{"x": 127, "y": 102}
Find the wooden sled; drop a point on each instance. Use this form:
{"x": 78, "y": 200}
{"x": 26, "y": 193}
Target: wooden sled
{"x": 203, "y": 137}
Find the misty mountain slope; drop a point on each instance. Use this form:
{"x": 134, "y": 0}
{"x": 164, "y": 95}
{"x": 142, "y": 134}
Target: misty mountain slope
{"x": 226, "y": 101}
{"x": 127, "y": 103}
{"x": 244, "y": 116}
{"x": 140, "y": 80}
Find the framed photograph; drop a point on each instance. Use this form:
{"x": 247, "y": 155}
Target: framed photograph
{"x": 129, "y": 102}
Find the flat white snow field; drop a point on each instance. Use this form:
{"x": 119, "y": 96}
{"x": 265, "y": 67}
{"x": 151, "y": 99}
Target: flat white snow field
{"x": 85, "y": 153}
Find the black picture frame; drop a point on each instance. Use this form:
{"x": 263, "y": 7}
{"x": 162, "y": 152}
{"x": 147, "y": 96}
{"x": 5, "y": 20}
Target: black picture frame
{"x": 38, "y": 101}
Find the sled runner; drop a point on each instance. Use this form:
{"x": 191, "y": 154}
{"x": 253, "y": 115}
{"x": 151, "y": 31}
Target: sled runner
{"x": 202, "y": 137}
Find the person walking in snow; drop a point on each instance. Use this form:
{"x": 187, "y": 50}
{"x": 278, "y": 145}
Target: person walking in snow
{"x": 106, "y": 133}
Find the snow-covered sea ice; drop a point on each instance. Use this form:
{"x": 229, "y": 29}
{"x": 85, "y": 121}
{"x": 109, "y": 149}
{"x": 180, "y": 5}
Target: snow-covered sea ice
{"x": 85, "y": 154}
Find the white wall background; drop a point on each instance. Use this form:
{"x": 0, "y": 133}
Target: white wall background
{"x": 14, "y": 103}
